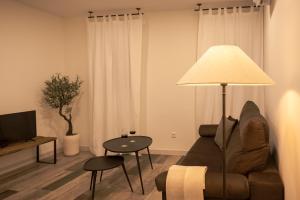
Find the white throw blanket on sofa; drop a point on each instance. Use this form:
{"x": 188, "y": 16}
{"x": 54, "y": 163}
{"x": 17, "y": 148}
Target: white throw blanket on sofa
{"x": 186, "y": 182}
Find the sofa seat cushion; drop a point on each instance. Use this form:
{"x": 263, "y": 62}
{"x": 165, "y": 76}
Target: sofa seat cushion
{"x": 204, "y": 152}
{"x": 237, "y": 185}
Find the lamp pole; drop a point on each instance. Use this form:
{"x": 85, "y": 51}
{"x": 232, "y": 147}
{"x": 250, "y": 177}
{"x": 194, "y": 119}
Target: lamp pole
{"x": 224, "y": 139}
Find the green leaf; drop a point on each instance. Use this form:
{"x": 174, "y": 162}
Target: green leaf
{"x": 60, "y": 91}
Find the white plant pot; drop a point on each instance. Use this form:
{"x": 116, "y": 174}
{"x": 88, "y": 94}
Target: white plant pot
{"x": 71, "y": 145}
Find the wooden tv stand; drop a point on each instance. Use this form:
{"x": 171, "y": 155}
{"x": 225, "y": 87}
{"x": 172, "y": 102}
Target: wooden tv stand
{"x": 35, "y": 142}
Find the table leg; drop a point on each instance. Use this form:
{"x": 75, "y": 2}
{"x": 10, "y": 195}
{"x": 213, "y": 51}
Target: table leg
{"x": 92, "y": 178}
{"x": 149, "y": 157}
{"x": 105, "y": 154}
{"x": 124, "y": 169}
{"x": 54, "y": 154}
{"x": 38, "y": 153}
{"x": 54, "y": 146}
{"x": 94, "y": 184}
{"x": 139, "y": 168}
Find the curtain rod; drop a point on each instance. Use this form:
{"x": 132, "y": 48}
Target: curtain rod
{"x": 230, "y": 7}
{"x": 114, "y": 15}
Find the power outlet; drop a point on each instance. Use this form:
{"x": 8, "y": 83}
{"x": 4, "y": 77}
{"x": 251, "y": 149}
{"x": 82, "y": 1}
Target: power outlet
{"x": 173, "y": 134}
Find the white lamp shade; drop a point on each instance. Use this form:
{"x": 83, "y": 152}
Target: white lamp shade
{"x": 225, "y": 64}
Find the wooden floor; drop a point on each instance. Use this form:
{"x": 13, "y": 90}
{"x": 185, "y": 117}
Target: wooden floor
{"x": 66, "y": 180}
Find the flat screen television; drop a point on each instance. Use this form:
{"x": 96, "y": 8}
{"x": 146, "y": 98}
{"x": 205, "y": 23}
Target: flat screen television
{"x": 17, "y": 127}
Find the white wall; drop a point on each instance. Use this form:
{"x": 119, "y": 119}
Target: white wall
{"x": 282, "y": 63}
{"x": 31, "y": 50}
{"x": 35, "y": 45}
{"x": 76, "y": 63}
{"x": 170, "y": 47}
{"x": 169, "y": 43}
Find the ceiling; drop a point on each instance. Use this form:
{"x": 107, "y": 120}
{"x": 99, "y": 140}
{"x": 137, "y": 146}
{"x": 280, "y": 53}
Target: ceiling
{"x": 68, "y": 8}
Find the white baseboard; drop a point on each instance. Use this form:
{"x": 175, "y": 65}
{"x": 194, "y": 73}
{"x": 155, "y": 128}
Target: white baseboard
{"x": 84, "y": 148}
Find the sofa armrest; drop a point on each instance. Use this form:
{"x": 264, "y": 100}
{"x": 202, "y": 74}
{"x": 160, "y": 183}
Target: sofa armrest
{"x": 264, "y": 185}
{"x": 160, "y": 181}
{"x": 208, "y": 130}
{"x": 237, "y": 185}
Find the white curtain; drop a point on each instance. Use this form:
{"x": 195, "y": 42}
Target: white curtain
{"x": 238, "y": 26}
{"x": 115, "y": 46}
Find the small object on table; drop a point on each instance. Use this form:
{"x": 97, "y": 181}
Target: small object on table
{"x": 132, "y": 132}
{"x": 101, "y": 163}
{"x": 124, "y": 136}
{"x": 133, "y": 144}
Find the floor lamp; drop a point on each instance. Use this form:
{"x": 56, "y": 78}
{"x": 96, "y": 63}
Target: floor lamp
{"x": 225, "y": 65}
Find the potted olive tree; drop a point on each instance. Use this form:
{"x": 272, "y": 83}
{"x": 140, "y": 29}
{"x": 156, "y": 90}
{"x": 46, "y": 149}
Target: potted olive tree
{"x": 59, "y": 94}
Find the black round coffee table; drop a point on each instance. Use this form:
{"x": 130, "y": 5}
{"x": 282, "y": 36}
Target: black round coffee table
{"x": 102, "y": 163}
{"x": 128, "y": 145}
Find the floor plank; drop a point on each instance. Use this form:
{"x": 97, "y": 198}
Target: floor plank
{"x": 67, "y": 180}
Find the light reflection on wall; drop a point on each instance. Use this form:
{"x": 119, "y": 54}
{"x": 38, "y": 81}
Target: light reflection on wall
{"x": 288, "y": 136}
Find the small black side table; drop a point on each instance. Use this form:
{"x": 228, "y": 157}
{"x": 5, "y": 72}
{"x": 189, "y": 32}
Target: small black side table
{"x": 101, "y": 163}
{"x": 128, "y": 145}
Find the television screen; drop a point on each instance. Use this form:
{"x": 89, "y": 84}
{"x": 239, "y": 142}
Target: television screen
{"x": 17, "y": 127}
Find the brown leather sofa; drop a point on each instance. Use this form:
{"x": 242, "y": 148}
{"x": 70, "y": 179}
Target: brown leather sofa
{"x": 251, "y": 170}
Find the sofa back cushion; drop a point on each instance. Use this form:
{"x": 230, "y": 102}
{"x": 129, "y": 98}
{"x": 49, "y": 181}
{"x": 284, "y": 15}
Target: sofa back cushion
{"x": 254, "y": 132}
{"x": 249, "y": 109}
{"x": 248, "y": 148}
{"x": 230, "y": 124}
{"x": 240, "y": 161}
